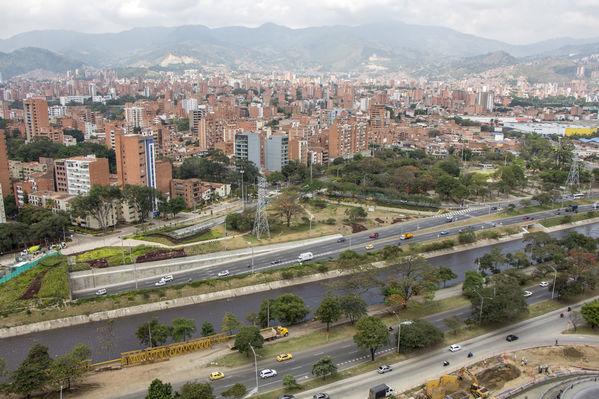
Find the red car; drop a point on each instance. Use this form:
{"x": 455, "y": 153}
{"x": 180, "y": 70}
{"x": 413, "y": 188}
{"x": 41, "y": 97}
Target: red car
{"x": 374, "y": 235}
{"x": 526, "y": 218}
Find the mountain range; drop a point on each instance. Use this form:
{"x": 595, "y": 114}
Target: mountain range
{"x": 385, "y": 46}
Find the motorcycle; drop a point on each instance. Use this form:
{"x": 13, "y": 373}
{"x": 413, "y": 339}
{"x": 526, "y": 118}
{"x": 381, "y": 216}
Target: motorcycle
{"x": 470, "y": 354}
{"x": 445, "y": 363}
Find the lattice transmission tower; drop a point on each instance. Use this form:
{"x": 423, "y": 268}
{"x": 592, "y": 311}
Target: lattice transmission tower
{"x": 261, "y": 220}
{"x": 573, "y": 176}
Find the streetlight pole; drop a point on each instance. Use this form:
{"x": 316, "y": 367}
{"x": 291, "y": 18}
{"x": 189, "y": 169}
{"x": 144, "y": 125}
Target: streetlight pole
{"x": 398, "y": 330}
{"x": 251, "y": 246}
{"x": 482, "y": 301}
{"x": 123, "y": 249}
{"x": 554, "y": 279}
{"x": 255, "y": 366}
{"x": 242, "y": 197}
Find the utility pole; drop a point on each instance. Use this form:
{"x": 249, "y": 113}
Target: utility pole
{"x": 255, "y": 366}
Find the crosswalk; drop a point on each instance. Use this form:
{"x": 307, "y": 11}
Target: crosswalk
{"x": 458, "y": 212}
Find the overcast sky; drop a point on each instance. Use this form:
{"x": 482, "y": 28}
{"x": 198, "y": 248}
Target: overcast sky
{"x": 513, "y": 21}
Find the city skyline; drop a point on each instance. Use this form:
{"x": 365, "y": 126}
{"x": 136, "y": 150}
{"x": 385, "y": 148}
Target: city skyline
{"x": 506, "y": 20}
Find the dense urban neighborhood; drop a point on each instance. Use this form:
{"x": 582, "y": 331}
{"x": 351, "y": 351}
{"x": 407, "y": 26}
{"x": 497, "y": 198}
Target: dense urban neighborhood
{"x": 195, "y": 230}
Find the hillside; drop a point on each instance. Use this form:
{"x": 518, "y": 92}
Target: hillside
{"x": 30, "y": 59}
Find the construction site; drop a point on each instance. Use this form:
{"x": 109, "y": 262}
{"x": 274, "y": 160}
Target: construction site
{"x": 528, "y": 373}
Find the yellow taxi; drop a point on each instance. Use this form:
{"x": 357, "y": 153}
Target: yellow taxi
{"x": 216, "y": 375}
{"x": 369, "y": 247}
{"x": 284, "y": 356}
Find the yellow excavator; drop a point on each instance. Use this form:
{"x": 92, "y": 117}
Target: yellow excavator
{"x": 437, "y": 388}
{"x": 475, "y": 389}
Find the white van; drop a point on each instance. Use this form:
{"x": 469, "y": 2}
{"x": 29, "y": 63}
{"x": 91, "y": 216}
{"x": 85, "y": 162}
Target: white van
{"x": 305, "y": 256}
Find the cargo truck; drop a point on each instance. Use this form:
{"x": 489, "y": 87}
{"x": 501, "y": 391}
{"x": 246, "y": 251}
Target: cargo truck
{"x": 274, "y": 333}
{"x": 380, "y": 391}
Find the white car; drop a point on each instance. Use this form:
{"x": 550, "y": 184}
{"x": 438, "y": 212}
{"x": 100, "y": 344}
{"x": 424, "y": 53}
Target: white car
{"x": 160, "y": 283}
{"x": 527, "y": 293}
{"x": 266, "y": 373}
{"x": 101, "y": 291}
{"x": 454, "y": 348}
{"x": 224, "y": 273}
{"x": 167, "y": 278}
{"x": 544, "y": 284}
{"x": 385, "y": 368}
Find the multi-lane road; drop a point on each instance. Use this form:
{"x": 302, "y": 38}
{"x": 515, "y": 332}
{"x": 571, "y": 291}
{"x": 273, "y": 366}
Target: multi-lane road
{"x": 14, "y": 349}
{"x": 332, "y": 248}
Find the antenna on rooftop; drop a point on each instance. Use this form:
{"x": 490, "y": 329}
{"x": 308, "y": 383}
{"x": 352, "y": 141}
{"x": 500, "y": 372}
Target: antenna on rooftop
{"x": 261, "y": 221}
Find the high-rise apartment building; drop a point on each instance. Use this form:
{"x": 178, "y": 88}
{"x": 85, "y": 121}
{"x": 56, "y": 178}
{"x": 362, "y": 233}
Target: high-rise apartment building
{"x": 4, "y": 169}
{"x": 78, "y": 175}
{"x": 135, "y": 160}
{"x": 377, "y": 115}
{"x": 276, "y": 152}
{"x": 36, "y": 117}
{"x": 134, "y": 116}
{"x": 247, "y": 146}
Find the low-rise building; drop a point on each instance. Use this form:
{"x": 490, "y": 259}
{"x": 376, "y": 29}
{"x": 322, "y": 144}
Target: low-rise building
{"x": 196, "y": 192}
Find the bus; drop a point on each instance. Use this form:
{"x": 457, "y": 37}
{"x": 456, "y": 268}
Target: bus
{"x": 578, "y": 196}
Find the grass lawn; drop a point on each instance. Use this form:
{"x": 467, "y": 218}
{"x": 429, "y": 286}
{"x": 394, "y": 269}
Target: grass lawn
{"x": 568, "y": 218}
{"x": 583, "y": 330}
{"x": 114, "y": 255}
{"x": 54, "y": 287}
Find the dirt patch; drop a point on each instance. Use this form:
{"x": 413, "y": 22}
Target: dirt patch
{"x": 497, "y": 376}
{"x": 161, "y": 254}
{"x": 97, "y": 263}
{"x": 379, "y": 220}
{"x": 34, "y": 287}
{"x": 180, "y": 240}
{"x": 572, "y": 353}
{"x": 356, "y": 228}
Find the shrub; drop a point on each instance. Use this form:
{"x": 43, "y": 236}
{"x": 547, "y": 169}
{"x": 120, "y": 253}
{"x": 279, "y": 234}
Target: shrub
{"x": 331, "y": 221}
{"x": 287, "y": 274}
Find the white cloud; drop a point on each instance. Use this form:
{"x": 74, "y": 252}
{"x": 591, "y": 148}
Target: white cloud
{"x": 514, "y": 21}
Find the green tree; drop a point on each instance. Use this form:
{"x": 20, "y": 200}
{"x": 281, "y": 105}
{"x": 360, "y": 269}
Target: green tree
{"x": 473, "y": 281}
{"x": 289, "y": 383}
{"x": 98, "y": 203}
{"x": 541, "y": 246}
{"x": 325, "y": 366}
{"x": 419, "y": 334}
{"x": 329, "y": 310}
{"x": 467, "y": 236}
{"x": 159, "y": 390}
{"x": 353, "y": 307}
{"x": 543, "y": 199}
{"x": 10, "y": 206}
{"x": 195, "y": 390}
{"x": 173, "y": 206}
{"x": 371, "y": 334}
{"x": 590, "y": 312}
{"x": 501, "y": 302}
{"x": 230, "y": 322}
{"x": 355, "y": 213}
{"x": 246, "y": 336}
{"x": 238, "y": 391}
{"x": 491, "y": 261}
{"x": 289, "y": 309}
{"x": 142, "y": 198}
{"x": 519, "y": 260}
{"x": 411, "y": 276}
{"x": 207, "y": 329}
{"x": 252, "y": 318}
{"x": 275, "y": 177}
{"x": 153, "y": 333}
{"x": 67, "y": 369}
{"x": 446, "y": 274}
{"x": 287, "y": 206}
{"x": 183, "y": 329}
{"x": 444, "y": 185}
{"x": 32, "y": 373}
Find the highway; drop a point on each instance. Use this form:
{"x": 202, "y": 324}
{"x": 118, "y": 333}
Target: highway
{"x": 330, "y": 249}
{"x": 14, "y": 349}
{"x": 542, "y": 330}
{"x": 346, "y": 355}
